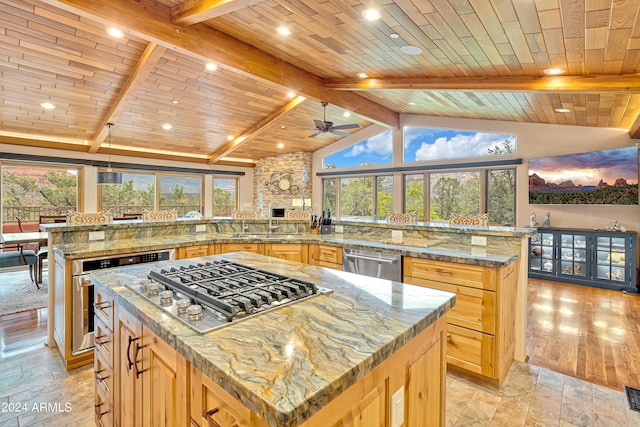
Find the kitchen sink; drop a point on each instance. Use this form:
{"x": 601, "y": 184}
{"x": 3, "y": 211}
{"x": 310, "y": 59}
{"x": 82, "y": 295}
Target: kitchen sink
{"x": 265, "y": 236}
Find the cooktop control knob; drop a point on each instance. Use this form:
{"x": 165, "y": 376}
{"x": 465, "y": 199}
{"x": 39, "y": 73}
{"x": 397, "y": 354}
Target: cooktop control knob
{"x": 144, "y": 284}
{"x": 183, "y": 304}
{"x": 194, "y": 312}
{"x": 153, "y": 289}
{"x": 166, "y": 298}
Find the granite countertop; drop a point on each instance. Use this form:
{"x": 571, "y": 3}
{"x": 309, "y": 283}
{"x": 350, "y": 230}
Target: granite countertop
{"x": 439, "y": 248}
{"x": 286, "y": 364}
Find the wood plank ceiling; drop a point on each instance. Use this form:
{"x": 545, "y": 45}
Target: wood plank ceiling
{"x": 476, "y": 59}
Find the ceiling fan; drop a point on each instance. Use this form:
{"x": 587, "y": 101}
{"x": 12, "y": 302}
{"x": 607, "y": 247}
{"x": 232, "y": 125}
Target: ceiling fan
{"x": 323, "y": 126}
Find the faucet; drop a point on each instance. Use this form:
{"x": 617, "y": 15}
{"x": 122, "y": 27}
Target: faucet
{"x": 245, "y": 227}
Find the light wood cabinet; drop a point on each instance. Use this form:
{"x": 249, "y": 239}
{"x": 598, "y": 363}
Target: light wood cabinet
{"x": 103, "y": 360}
{"x": 481, "y": 326}
{"x": 150, "y": 381}
{"x": 417, "y": 371}
{"x": 298, "y": 252}
{"x": 194, "y": 251}
{"x": 256, "y": 248}
{"x": 326, "y": 256}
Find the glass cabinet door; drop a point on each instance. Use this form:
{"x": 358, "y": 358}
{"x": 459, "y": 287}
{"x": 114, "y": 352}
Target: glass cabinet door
{"x": 573, "y": 255}
{"x": 610, "y": 258}
{"x": 541, "y": 256}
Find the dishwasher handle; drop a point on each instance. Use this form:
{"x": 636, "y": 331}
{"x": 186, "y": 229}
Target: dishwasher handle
{"x": 380, "y": 260}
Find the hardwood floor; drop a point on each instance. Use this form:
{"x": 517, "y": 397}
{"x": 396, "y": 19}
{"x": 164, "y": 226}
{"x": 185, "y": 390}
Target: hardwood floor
{"x": 574, "y": 331}
{"x": 585, "y": 332}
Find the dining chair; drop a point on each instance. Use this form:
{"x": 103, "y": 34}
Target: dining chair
{"x": 43, "y": 251}
{"x": 14, "y": 255}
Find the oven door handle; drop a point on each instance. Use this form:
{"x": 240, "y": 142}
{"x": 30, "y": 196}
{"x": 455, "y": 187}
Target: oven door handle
{"x": 85, "y": 282}
{"x": 379, "y": 260}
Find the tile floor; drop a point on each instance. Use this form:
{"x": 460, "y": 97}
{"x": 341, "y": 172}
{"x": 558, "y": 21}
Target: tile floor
{"x": 530, "y": 396}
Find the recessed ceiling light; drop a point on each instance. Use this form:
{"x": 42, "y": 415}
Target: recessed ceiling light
{"x": 412, "y": 103}
{"x": 283, "y": 126}
{"x": 371, "y": 14}
{"x": 211, "y": 66}
{"x": 291, "y": 94}
{"x": 115, "y": 32}
{"x": 47, "y": 106}
{"x": 394, "y": 35}
{"x": 280, "y": 145}
{"x": 362, "y": 75}
{"x": 230, "y": 138}
{"x": 554, "y": 71}
{"x": 562, "y": 110}
{"x": 411, "y": 50}
{"x": 347, "y": 114}
{"x": 166, "y": 126}
{"x": 174, "y": 101}
{"x": 283, "y": 31}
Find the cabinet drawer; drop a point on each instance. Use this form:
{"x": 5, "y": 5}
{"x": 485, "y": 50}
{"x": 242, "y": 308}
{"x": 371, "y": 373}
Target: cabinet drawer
{"x": 103, "y": 307}
{"x": 104, "y": 341}
{"x": 329, "y": 254}
{"x": 103, "y": 409}
{"x": 247, "y": 247}
{"x": 473, "y": 276}
{"x": 103, "y": 376}
{"x": 475, "y": 308}
{"x": 193, "y": 251}
{"x": 471, "y": 350}
{"x": 219, "y": 406}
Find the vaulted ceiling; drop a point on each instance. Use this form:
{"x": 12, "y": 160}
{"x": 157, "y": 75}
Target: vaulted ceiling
{"x": 481, "y": 59}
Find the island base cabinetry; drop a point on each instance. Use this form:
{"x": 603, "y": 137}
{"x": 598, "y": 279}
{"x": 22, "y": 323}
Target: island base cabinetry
{"x": 481, "y": 326}
{"x": 326, "y": 256}
{"x": 150, "y": 378}
{"x": 417, "y": 371}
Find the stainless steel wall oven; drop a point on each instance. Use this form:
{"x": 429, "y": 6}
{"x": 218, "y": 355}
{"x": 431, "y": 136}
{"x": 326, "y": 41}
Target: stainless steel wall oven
{"x": 82, "y": 297}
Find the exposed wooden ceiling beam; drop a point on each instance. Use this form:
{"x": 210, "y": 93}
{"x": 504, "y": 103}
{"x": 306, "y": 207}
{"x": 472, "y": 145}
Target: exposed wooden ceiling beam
{"x": 255, "y": 130}
{"x": 634, "y": 130}
{"x": 194, "y": 11}
{"x": 200, "y": 40}
{"x": 143, "y": 68}
{"x": 629, "y": 83}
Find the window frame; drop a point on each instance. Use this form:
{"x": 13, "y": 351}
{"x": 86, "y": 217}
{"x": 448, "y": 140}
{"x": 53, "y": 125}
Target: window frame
{"x": 213, "y": 196}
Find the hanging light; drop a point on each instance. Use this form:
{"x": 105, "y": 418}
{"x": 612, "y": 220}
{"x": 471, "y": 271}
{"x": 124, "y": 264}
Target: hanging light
{"x": 109, "y": 177}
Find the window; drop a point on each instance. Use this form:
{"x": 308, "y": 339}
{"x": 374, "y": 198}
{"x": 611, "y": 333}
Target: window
{"x": 501, "y": 195}
{"x": 225, "y": 196}
{"x": 424, "y": 144}
{"x": 377, "y": 150}
{"x": 454, "y": 192}
{"x": 135, "y": 195}
{"x": 180, "y": 192}
{"x": 28, "y": 192}
{"x": 414, "y": 195}
{"x": 366, "y": 196}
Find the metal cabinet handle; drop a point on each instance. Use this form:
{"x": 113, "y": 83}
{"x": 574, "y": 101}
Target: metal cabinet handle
{"x": 380, "y": 260}
{"x": 441, "y": 271}
{"x": 207, "y": 415}
{"x": 97, "y": 410}
{"x": 99, "y": 377}
{"x": 129, "y": 362}
{"x": 103, "y": 304}
{"x": 99, "y": 337}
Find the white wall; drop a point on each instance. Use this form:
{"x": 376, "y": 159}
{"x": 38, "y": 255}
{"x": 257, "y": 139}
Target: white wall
{"x": 533, "y": 140}
{"x": 245, "y": 183}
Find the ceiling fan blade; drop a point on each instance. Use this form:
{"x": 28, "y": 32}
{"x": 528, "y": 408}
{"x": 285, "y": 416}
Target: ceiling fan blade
{"x": 349, "y": 126}
{"x": 320, "y": 125}
{"x": 313, "y": 135}
{"x": 338, "y": 132}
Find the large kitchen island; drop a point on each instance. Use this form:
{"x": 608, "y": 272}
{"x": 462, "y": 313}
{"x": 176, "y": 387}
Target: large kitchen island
{"x": 364, "y": 354}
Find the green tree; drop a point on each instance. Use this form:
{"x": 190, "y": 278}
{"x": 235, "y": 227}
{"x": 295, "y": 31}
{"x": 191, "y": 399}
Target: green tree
{"x": 443, "y": 197}
{"x": 356, "y": 196}
{"x": 414, "y": 198}
{"x": 223, "y": 201}
{"x": 501, "y": 187}
{"x": 117, "y": 197}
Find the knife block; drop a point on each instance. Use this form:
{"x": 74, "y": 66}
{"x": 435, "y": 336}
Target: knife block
{"x": 325, "y": 229}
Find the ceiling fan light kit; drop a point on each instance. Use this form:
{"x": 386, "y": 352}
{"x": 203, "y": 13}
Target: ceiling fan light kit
{"x": 324, "y": 126}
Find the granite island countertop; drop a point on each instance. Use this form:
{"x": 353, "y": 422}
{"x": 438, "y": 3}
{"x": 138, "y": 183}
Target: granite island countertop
{"x": 439, "y": 248}
{"x": 286, "y": 364}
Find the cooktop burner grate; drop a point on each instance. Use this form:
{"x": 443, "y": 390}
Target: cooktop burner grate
{"x": 221, "y": 292}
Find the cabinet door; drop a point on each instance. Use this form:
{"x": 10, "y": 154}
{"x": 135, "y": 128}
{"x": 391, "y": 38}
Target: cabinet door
{"x": 572, "y": 255}
{"x": 368, "y": 412}
{"x": 425, "y": 406}
{"x": 128, "y": 387}
{"x": 542, "y": 253}
{"x": 164, "y": 374}
{"x": 297, "y": 252}
{"x": 611, "y": 255}
{"x": 193, "y": 251}
{"x": 257, "y": 248}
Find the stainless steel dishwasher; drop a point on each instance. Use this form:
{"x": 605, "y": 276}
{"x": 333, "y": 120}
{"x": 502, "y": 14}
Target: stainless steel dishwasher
{"x": 374, "y": 264}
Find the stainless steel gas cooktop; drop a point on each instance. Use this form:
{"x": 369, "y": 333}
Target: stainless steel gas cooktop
{"x": 208, "y": 296}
